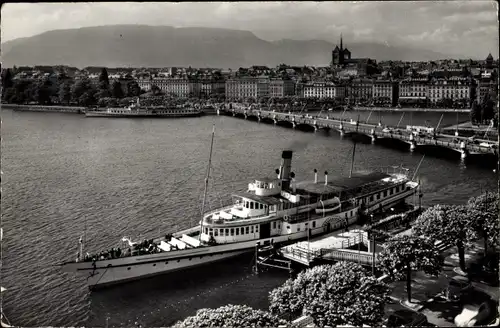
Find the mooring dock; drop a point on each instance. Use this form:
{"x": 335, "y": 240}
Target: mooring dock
{"x": 335, "y": 246}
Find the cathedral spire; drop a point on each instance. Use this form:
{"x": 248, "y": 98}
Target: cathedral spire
{"x": 341, "y": 47}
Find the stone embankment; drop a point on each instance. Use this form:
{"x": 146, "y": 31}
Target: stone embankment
{"x": 38, "y": 108}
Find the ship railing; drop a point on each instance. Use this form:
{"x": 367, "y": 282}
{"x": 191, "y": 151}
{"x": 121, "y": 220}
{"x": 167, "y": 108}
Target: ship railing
{"x": 219, "y": 209}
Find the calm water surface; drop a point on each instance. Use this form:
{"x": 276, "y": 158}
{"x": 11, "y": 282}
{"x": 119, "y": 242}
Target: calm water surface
{"x": 143, "y": 178}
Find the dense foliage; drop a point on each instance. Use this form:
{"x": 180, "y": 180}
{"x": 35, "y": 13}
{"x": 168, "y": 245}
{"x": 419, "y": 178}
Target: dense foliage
{"x": 484, "y": 216}
{"x": 449, "y": 224}
{"x": 231, "y": 316}
{"x": 402, "y": 254}
{"x": 343, "y": 293}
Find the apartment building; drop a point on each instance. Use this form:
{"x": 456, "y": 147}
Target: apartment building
{"x": 280, "y": 88}
{"x": 385, "y": 92}
{"x": 360, "y": 89}
{"x": 247, "y": 87}
{"x": 454, "y": 89}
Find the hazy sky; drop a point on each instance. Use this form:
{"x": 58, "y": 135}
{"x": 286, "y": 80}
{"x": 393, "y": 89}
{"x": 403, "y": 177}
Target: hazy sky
{"x": 465, "y": 28}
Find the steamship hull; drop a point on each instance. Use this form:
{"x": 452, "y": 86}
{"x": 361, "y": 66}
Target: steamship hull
{"x": 116, "y": 271}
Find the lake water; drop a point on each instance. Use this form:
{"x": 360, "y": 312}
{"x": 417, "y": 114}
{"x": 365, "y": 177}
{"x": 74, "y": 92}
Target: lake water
{"x": 143, "y": 178}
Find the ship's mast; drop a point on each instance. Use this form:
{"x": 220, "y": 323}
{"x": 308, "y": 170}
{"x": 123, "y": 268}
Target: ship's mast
{"x": 354, "y": 149}
{"x": 206, "y": 182}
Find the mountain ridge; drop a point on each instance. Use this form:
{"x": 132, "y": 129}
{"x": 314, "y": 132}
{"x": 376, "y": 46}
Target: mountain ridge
{"x": 160, "y": 46}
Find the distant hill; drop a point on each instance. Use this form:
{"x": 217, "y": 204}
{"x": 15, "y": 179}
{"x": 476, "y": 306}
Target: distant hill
{"x": 159, "y": 46}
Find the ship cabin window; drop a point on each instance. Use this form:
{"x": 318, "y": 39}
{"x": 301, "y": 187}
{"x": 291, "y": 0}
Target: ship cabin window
{"x": 232, "y": 231}
{"x": 227, "y": 232}
{"x": 298, "y": 228}
{"x": 216, "y": 232}
{"x": 211, "y": 231}
{"x": 288, "y": 227}
{"x": 251, "y": 229}
{"x": 256, "y": 229}
{"x": 237, "y": 231}
{"x": 274, "y": 225}
{"x": 391, "y": 191}
{"x": 385, "y": 193}
{"x": 397, "y": 188}
{"x": 371, "y": 198}
{"x": 251, "y": 205}
{"x": 261, "y": 206}
{"x": 314, "y": 224}
{"x": 247, "y": 230}
{"x": 206, "y": 231}
{"x": 222, "y": 232}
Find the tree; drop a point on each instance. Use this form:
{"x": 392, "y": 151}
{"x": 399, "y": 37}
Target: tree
{"x": 116, "y": 90}
{"x": 42, "y": 92}
{"x": 343, "y": 293}
{"x": 23, "y": 90}
{"x": 103, "y": 92}
{"x": 87, "y": 99}
{"x": 133, "y": 89}
{"x": 65, "y": 93}
{"x": 80, "y": 88}
{"x": 410, "y": 253}
{"x": 7, "y": 79}
{"x": 475, "y": 112}
{"x": 231, "y": 316}
{"x": 484, "y": 217}
{"x": 155, "y": 89}
{"x": 104, "y": 79}
{"x": 449, "y": 224}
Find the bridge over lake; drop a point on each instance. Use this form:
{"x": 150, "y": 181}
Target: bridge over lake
{"x": 376, "y": 132}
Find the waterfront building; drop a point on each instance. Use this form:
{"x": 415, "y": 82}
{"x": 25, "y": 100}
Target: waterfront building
{"x": 360, "y": 90}
{"x": 413, "y": 91}
{"x": 451, "y": 92}
{"x": 145, "y": 83}
{"x": 280, "y": 88}
{"x": 247, "y": 87}
{"x": 385, "y": 92}
{"x": 485, "y": 86}
{"x": 322, "y": 90}
{"x": 179, "y": 87}
{"x": 212, "y": 88}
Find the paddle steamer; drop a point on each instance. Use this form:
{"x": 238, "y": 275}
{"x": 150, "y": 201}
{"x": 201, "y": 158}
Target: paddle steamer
{"x": 275, "y": 210}
{"x": 136, "y": 110}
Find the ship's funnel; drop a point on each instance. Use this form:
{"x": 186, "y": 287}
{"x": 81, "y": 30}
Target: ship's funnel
{"x": 286, "y": 165}
{"x": 315, "y": 176}
{"x": 326, "y": 178}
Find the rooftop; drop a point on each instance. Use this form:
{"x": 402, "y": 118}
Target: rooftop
{"x": 342, "y": 184}
{"x": 261, "y": 199}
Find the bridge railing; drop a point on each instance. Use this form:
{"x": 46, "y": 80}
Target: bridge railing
{"x": 361, "y": 128}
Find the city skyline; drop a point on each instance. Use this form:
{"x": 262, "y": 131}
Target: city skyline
{"x": 442, "y": 26}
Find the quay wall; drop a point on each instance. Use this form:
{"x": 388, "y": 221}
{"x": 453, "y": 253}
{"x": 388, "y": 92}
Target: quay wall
{"x": 38, "y": 108}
